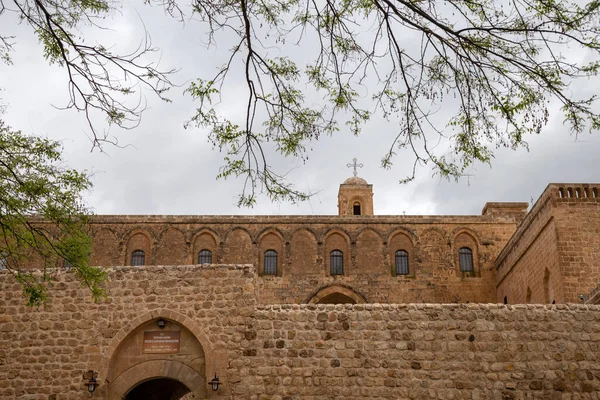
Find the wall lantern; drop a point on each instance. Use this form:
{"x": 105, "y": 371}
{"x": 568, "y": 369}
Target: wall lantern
{"x": 161, "y": 323}
{"x": 91, "y": 383}
{"x": 214, "y": 383}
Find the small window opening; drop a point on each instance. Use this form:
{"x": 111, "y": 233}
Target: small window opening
{"x": 465, "y": 258}
{"x": 205, "y": 257}
{"x": 505, "y": 300}
{"x": 270, "y": 267}
{"x": 547, "y": 295}
{"x": 356, "y": 209}
{"x": 336, "y": 263}
{"x": 402, "y": 262}
{"x": 138, "y": 258}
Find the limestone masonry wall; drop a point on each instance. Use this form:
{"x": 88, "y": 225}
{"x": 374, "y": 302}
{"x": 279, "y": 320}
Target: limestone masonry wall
{"x": 443, "y": 351}
{"x": 555, "y": 253}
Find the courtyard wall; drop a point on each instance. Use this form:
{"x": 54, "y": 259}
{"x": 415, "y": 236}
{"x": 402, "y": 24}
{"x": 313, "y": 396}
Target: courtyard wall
{"x": 443, "y": 351}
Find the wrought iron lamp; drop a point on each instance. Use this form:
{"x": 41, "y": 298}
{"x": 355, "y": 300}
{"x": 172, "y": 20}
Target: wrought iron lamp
{"x": 91, "y": 383}
{"x": 214, "y": 383}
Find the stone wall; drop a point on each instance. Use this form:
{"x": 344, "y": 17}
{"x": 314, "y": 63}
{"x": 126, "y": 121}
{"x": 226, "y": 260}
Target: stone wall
{"x": 44, "y": 352}
{"x": 422, "y": 351}
{"x": 449, "y": 351}
{"x": 577, "y": 216}
{"x": 555, "y": 253}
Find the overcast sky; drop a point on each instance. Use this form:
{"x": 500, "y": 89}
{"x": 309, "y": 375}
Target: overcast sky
{"x": 166, "y": 169}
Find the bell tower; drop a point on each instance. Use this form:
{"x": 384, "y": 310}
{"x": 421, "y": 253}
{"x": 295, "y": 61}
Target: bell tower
{"x": 355, "y": 196}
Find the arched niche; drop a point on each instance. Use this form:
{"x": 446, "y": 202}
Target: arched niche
{"x": 270, "y": 240}
{"x": 138, "y": 241}
{"x": 466, "y": 240}
{"x": 171, "y": 248}
{"x": 105, "y": 249}
{"x": 400, "y": 241}
{"x": 433, "y": 249}
{"x": 336, "y": 240}
{"x": 369, "y": 253}
{"x": 205, "y": 241}
{"x": 336, "y": 294}
{"x": 304, "y": 253}
{"x": 133, "y": 362}
{"x": 238, "y": 248}
{"x": 355, "y": 201}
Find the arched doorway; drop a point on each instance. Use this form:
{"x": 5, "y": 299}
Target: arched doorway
{"x": 158, "y": 389}
{"x": 336, "y": 294}
{"x": 157, "y": 361}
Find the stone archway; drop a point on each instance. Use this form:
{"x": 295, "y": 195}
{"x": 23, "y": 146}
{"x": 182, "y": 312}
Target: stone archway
{"x": 336, "y": 294}
{"x": 136, "y": 368}
{"x": 152, "y": 372}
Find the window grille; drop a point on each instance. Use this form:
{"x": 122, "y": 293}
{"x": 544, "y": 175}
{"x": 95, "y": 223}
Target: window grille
{"x": 402, "y": 262}
{"x": 138, "y": 257}
{"x": 270, "y": 262}
{"x": 465, "y": 258}
{"x": 205, "y": 257}
{"x": 336, "y": 263}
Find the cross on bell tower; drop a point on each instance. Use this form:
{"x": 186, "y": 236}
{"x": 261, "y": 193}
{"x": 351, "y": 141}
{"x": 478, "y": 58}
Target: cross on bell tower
{"x": 355, "y": 196}
{"x": 354, "y": 165}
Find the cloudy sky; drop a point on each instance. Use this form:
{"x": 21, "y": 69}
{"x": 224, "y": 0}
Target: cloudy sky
{"x": 163, "y": 168}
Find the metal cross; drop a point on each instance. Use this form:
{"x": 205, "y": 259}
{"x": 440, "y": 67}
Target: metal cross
{"x": 354, "y": 165}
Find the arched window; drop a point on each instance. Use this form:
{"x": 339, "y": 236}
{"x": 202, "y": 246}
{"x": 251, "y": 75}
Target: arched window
{"x": 205, "y": 257}
{"x": 402, "y": 262}
{"x": 138, "y": 257}
{"x": 465, "y": 258}
{"x": 270, "y": 262}
{"x": 356, "y": 208}
{"x": 336, "y": 263}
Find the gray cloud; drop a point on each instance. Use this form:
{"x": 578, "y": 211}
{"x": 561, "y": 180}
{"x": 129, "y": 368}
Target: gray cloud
{"x": 166, "y": 169}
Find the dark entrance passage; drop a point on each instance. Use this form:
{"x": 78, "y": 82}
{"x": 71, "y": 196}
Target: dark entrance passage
{"x": 158, "y": 389}
{"x": 337, "y": 298}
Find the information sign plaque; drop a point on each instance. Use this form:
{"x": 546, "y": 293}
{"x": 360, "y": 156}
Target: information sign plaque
{"x": 159, "y": 342}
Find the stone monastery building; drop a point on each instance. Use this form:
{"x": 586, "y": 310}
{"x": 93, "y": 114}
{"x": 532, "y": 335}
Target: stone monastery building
{"x": 504, "y": 255}
{"x": 492, "y": 306}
